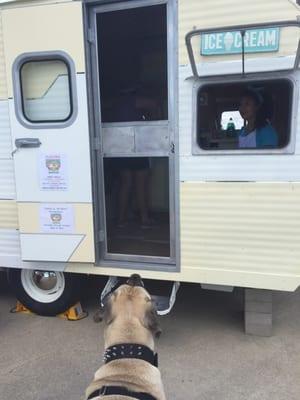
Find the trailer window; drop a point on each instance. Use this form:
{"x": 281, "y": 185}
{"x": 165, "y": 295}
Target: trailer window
{"x": 244, "y": 116}
{"x": 46, "y": 91}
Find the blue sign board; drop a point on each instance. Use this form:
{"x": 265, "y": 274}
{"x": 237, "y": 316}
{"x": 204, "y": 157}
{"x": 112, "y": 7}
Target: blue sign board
{"x": 255, "y": 41}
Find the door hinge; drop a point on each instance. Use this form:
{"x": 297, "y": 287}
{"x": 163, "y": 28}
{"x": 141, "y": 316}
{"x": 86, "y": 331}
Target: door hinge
{"x": 97, "y": 144}
{"x": 172, "y": 147}
{"x": 91, "y": 36}
{"x": 100, "y": 236}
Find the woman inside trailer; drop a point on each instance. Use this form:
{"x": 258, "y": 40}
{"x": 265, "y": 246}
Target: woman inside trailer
{"x": 256, "y": 109}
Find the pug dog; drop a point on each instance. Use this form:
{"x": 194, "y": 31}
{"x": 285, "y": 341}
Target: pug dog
{"x": 130, "y": 368}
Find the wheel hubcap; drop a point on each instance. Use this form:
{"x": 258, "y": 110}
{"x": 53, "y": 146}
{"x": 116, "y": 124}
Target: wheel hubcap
{"x": 44, "y": 280}
{"x": 43, "y": 286}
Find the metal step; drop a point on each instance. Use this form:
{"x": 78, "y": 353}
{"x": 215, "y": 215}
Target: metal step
{"x": 164, "y": 303}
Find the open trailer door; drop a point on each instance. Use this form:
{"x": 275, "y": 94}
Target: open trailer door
{"x": 49, "y": 125}
{"x": 137, "y": 154}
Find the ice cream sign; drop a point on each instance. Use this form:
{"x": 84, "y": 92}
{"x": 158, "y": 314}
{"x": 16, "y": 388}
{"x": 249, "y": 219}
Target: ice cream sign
{"x": 255, "y": 41}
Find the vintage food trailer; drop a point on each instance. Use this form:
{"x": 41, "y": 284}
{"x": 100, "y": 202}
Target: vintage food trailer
{"x": 120, "y": 147}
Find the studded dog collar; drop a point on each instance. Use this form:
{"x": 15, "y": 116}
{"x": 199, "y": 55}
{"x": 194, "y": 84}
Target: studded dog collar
{"x": 126, "y": 350}
{"x": 130, "y": 350}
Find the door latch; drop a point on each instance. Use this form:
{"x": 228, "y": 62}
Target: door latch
{"x": 26, "y": 143}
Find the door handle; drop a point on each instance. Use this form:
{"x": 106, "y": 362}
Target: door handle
{"x": 25, "y": 143}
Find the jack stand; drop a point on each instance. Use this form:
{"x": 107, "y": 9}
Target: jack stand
{"x": 74, "y": 313}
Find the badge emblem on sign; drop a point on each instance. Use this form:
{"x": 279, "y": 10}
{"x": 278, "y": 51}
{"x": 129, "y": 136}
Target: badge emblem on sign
{"x": 56, "y": 218}
{"x": 53, "y": 165}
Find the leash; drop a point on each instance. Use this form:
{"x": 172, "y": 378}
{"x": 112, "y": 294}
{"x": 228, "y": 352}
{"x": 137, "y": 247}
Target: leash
{"x": 128, "y": 351}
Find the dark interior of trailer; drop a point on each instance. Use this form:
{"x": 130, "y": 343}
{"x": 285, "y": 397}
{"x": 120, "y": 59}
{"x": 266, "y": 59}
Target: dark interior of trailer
{"x": 218, "y": 117}
{"x": 133, "y": 75}
{"x": 127, "y": 233}
{"x": 133, "y": 64}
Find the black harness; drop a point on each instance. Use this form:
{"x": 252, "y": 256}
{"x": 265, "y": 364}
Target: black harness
{"x": 125, "y": 350}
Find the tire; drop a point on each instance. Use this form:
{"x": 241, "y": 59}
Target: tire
{"x": 46, "y": 293}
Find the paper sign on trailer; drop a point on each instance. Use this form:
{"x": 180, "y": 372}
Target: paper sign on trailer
{"x": 58, "y": 218}
{"x": 53, "y": 172}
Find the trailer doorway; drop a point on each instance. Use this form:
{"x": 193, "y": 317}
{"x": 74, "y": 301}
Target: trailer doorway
{"x": 136, "y": 162}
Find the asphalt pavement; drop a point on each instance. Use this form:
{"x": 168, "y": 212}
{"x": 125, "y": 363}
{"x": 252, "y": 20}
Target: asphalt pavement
{"x": 203, "y": 351}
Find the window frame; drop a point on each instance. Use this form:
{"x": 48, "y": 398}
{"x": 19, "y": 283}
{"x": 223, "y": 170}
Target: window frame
{"x": 250, "y": 78}
{"x": 18, "y": 90}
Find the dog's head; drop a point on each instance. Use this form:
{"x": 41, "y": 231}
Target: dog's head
{"x": 129, "y": 314}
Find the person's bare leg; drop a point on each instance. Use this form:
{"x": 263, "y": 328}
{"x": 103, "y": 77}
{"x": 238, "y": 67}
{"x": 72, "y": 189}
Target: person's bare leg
{"x": 142, "y": 194}
{"x": 126, "y": 182}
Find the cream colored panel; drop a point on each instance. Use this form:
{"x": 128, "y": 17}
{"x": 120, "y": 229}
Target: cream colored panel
{"x": 44, "y": 28}
{"x": 8, "y": 215}
{"x": 3, "y": 89}
{"x": 195, "y": 14}
{"x": 84, "y": 223}
{"x": 248, "y": 227}
{"x": 29, "y": 3}
{"x": 29, "y": 214}
{"x": 236, "y": 234}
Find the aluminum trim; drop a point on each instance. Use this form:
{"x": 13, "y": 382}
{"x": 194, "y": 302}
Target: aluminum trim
{"x": 91, "y": 12}
{"x": 17, "y": 91}
{"x": 277, "y": 24}
{"x": 257, "y": 76}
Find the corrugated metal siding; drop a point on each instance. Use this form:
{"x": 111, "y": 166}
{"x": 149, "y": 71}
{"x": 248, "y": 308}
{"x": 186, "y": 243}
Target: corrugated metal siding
{"x": 7, "y": 181}
{"x": 5, "y": 134}
{"x": 192, "y": 13}
{"x": 7, "y": 185}
{"x": 9, "y": 246}
{"x": 206, "y": 14}
{"x": 36, "y": 32}
{"x": 230, "y": 167}
{"x": 3, "y": 89}
{"x": 8, "y": 214}
{"x": 241, "y": 227}
{"x": 30, "y": 3}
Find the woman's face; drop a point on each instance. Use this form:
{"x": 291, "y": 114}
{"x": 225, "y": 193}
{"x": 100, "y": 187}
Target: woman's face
{"x": 248, "y": 108}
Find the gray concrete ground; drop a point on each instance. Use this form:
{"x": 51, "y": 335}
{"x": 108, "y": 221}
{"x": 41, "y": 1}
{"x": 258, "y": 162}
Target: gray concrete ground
{"x": 203, "y": 352}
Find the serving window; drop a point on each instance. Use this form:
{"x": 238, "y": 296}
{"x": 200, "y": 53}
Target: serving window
{"x": 237, "y": 116}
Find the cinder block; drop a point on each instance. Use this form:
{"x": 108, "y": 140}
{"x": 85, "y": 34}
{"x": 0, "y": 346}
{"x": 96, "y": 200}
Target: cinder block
{"x": 259, "y": 307}
{"x": 259, "y": 324}
{"x": 258, "y": 295}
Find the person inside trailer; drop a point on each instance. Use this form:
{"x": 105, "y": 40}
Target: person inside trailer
{"x": 134, "y": 172}
{"x": 256, "y": 109}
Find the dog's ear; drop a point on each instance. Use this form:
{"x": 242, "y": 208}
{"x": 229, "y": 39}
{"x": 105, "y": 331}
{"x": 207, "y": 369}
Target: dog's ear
{"x": 151, "y": 321}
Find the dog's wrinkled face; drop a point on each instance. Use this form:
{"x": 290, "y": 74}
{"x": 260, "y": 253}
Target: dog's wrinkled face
{"x": 130, "y": 306}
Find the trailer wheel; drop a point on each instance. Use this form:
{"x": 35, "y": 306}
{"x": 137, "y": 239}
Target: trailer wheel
{"x": 45, "y": 293}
